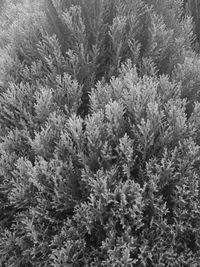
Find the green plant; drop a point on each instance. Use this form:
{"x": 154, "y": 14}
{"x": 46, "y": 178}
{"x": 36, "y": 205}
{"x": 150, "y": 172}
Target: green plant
{"x": 99, "y": 142}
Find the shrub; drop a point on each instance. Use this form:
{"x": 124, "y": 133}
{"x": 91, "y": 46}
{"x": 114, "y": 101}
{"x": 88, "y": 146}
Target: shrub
{"x": 99, "y": 155}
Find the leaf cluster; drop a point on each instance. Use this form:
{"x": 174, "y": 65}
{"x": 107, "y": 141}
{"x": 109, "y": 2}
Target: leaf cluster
{"x": 99, "y": 135}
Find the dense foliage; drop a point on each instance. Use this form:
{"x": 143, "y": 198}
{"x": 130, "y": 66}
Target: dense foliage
{"x": 99, "y": 134}
{"x": 193, "y": 7}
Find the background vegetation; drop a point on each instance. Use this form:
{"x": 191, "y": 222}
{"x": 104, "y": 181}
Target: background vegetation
{"x": 99, "y": 134}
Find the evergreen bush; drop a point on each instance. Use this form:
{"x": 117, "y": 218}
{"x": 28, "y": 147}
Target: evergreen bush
{"x": 99, "y": 141}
